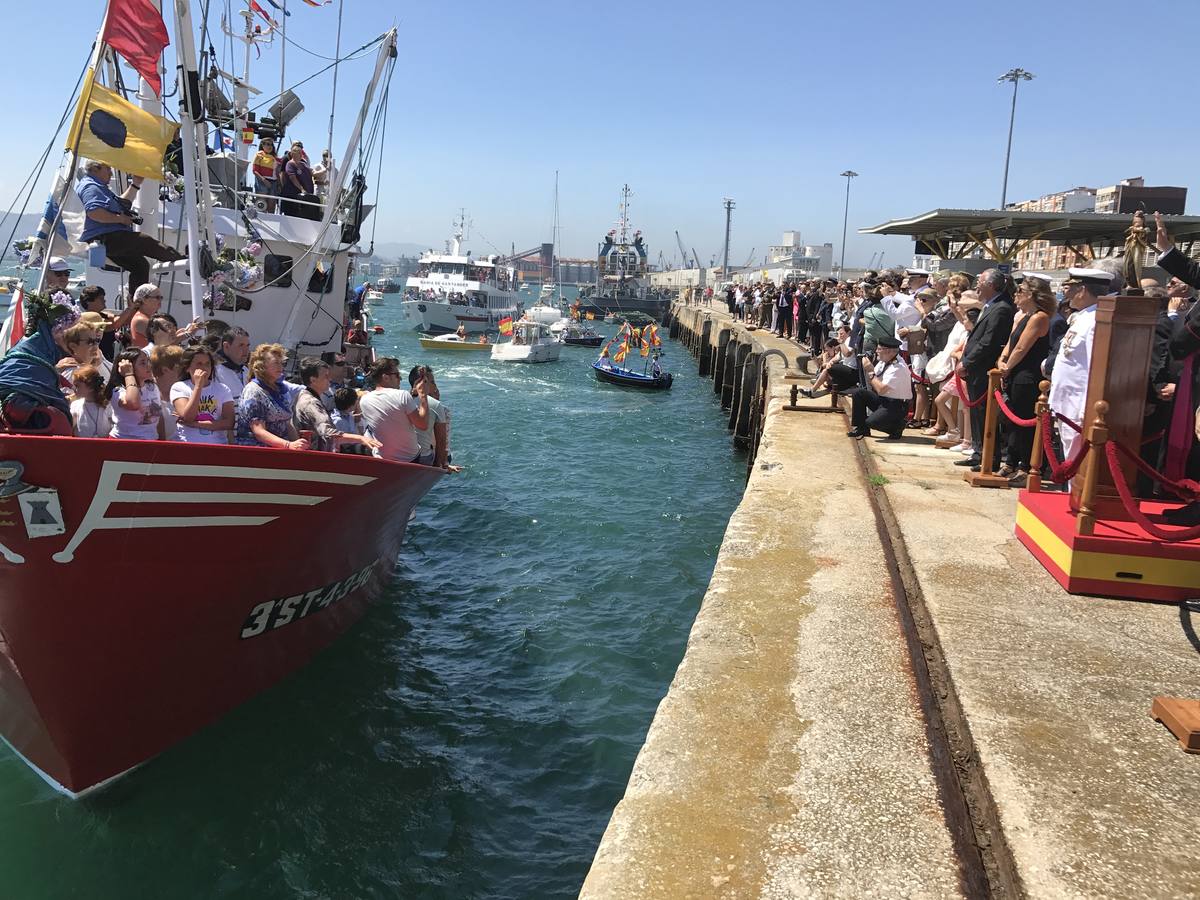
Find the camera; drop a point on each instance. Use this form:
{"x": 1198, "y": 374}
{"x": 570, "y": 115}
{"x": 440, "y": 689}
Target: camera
{"x": 135, "y": 217}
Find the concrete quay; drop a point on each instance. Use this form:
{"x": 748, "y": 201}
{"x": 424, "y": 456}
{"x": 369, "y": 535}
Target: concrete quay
{"x": 885, "y": 695}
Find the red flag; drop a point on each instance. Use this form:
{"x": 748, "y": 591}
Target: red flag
{"x": 135, "y": 29}
{"x": 15, "y": 323}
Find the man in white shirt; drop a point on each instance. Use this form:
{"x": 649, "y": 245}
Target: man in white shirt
{"x": 1069, "y": 377}
{"x": 393, "y": 416}
{"x": 883, "y": 403}
{"x": 231, "y": 362}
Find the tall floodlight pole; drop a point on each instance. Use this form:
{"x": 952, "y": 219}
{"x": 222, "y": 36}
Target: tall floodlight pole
{"x": 1015, "y": 76}
{"x": 728, "y": 219}
{"x": 848, "y": 174}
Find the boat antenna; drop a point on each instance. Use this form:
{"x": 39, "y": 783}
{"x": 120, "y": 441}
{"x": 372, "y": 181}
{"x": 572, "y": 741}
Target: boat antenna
{"x": 337, "y": 52}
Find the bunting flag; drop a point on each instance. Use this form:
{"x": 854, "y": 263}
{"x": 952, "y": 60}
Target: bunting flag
{"x": 112, "y": 130}
{"x": 262, "y": 12}
{"x": 135, "y": 29}
{"x": 315, "y": 3}
{"x": 506, "y": 325}
{"x": 282, "y": 9}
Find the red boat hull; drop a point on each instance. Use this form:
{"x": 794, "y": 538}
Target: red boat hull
{"x": 148, "y": 587}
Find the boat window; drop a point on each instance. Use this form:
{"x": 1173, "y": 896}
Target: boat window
{"x": 321, "y": 282}
{"x": 277, "y": 270}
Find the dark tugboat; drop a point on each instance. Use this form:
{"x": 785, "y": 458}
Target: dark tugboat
{"x": 622, "y": 266}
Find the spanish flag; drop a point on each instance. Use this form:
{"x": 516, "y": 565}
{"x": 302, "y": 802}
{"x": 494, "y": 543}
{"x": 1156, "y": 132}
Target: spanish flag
{"x": 506, "y": 325}
{"x": 112, "y": 130}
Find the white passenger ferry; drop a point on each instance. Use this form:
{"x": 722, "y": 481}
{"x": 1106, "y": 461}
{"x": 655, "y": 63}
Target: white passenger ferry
{"x": 452, "y": 289}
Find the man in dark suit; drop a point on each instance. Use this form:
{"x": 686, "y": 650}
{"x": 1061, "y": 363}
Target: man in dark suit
{"x": 1184, "y": 344}
{"x": 984, "y": 346}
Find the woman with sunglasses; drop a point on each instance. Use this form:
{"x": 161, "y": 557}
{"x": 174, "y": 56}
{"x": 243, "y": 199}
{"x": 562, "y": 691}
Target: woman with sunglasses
{"x": 83, "y": 349}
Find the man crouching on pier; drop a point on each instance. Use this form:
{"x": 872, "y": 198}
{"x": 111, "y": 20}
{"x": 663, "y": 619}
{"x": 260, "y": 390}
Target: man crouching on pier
{"x": 883, "y": 403}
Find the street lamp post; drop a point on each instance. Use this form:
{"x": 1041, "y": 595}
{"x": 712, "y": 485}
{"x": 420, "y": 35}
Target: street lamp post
{"x": 848, "y": 174}
{"x": 1015, "y": 76}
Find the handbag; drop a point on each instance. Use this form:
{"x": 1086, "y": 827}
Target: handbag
{"x": 940, "y": 367}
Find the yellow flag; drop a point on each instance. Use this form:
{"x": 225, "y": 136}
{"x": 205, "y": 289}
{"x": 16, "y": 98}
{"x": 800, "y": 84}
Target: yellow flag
{"x": 112, "y": 130}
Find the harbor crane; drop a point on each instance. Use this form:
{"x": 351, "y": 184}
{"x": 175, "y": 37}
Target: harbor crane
{"x": 749, "y": 259}
{"x": 683, "y": 252}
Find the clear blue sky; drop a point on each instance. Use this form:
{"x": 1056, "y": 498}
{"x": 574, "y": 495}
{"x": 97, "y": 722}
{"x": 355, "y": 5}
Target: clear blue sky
{"x": 765, "y": 102}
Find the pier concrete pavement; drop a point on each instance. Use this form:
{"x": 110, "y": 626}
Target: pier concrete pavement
{"x": 796, "y": 753}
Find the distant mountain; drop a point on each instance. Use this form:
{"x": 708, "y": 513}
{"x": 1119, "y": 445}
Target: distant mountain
{"x": 26, "y": 226}
{"x": 396, "y": 249}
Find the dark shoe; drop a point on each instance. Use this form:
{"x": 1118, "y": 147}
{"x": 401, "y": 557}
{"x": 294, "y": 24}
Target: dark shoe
{"x": 976, "y": 468}
{"x": 1183, "y": 515}
{"x": 893, "y": 436}
{"x": 973, "y": 461}
{"x": 1019, "y": 479}
{"x": 858, "y": 433}
{"x": 807, "y": 393}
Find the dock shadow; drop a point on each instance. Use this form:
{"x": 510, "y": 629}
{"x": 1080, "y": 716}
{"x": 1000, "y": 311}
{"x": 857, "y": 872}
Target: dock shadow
{"x": 1186, "y": 611}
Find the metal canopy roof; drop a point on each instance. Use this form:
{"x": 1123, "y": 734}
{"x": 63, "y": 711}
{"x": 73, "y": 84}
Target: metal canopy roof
{"x": 981, "y": 227}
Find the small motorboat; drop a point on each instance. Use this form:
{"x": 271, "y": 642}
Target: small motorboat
{"x": 577, "y": 335}
{"x": 531, "y": 342}
{"x": 454, "y": 342}
{"x": 377, "y": 329}
{"x": 609, "y": 373}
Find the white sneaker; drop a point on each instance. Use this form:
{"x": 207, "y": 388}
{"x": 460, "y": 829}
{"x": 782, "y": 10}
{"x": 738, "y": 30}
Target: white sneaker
{"x": 959, "y": 447}
{"x": 968, "y": 450}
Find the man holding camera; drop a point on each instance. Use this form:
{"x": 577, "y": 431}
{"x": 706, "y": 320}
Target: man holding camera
{"x": 110, "y": 220}
{"x": 883, "y": 403}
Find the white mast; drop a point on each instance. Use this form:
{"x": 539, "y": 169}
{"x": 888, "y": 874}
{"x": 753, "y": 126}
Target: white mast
{"x": 191, "y": 125}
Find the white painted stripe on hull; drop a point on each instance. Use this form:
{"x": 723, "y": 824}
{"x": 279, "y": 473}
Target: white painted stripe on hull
{"x": 215, "y": 497}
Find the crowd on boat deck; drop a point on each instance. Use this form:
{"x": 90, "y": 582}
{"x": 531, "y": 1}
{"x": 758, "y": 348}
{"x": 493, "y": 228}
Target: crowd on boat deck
{"x": 135, "y": 374}
{"x": 290, "y": 181}
{"x": 913, "y": 350}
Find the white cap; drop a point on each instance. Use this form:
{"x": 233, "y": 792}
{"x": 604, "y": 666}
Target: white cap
{"x": 1041, "y": 275}
{"x": 1094, "y": 277}
{"x": 916, "y": 272}
{"x": 58, "y": 264}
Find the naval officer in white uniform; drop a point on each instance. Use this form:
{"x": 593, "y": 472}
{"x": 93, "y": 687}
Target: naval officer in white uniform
{"x": 1069, "y": 379}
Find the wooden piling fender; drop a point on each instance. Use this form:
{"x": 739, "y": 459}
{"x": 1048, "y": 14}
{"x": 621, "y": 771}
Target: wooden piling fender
{"x": 719, "y": 359}
{"x": 706, "y": 348}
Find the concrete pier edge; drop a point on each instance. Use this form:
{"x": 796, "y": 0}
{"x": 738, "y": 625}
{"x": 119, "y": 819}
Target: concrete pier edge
{"x": 1036, "y": 749}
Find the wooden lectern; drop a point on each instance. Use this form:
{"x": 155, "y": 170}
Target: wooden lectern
{"x": 1120, "y": 373}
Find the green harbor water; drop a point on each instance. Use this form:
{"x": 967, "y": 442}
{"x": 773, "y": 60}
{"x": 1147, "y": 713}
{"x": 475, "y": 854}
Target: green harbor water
{"x": 470, "y": 737}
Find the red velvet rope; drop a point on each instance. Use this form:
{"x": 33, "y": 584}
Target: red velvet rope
{"x": 964, "y": 396}
{"x": 1184, "y": 488}
{"x": 1132, "y": 508}
{"x": 1061, "y": 471}
{"x": 1012, "y": 416}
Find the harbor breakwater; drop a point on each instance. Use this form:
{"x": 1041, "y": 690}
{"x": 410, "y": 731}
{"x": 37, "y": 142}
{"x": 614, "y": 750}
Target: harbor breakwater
{"x": 883, "y": 694}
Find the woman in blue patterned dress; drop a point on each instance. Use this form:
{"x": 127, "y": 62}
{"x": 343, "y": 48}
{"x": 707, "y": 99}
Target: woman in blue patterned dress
{"x": 264, "y": 412}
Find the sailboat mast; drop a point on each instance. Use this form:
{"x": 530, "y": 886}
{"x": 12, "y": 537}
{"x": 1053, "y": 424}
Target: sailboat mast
{"x": 191, "y": 121}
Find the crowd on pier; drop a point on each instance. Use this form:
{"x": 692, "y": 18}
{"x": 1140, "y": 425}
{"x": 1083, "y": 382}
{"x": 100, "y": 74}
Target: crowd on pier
{"x": 88, "y": 371}
{"x": 913, "y": 351}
